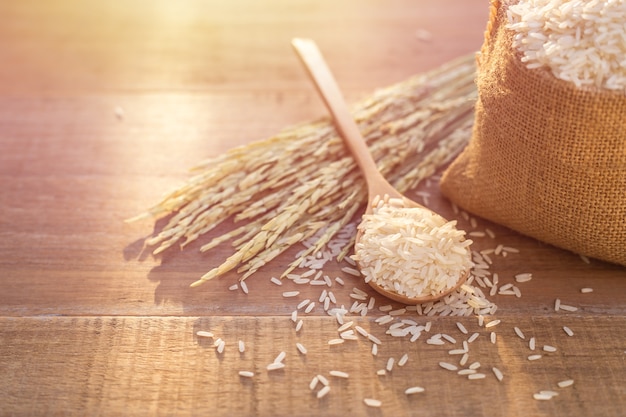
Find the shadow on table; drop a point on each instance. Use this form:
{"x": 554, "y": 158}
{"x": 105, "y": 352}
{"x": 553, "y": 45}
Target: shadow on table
{"x": 178, "y": 269}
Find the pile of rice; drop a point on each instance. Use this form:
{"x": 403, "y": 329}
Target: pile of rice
{"x": 410, "y": 250}
{"x": 583, "y": 42}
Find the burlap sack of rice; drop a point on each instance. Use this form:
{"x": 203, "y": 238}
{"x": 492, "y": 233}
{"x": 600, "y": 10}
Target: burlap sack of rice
{"x": 547, "y": 158}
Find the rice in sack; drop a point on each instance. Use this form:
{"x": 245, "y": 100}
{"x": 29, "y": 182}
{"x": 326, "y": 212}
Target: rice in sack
{"x": 547, "y": 156}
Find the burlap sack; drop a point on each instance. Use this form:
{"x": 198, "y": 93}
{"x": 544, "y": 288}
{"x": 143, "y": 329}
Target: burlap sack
{"x": 545, "y": 159}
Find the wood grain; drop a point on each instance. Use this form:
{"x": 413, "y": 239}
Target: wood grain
{"x": 92, "y": 324}
{"x": 148, "y": 366}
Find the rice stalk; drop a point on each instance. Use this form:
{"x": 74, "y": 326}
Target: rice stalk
{"x": 302, "y": 182}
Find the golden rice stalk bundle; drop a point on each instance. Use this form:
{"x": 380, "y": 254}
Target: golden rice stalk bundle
{"x": 303, "y": 183}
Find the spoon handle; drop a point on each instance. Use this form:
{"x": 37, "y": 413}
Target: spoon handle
{"x": 323, "y": 79}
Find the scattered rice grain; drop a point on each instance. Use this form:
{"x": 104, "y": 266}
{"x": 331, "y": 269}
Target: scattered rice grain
{"x": 566, "y": 307}
{"x": 374, "y": 339}
{"x": 313, "y": 383}
{"x": 323, "y": 379}
{"x": 371, "y": 402}
{"x": 351, "y": 271}
{"x": 464, "y": 359}
{"x": 403, "y": 360}
{"x": 301, "y": 348}
{"x": 499, "y": 375}
{"x": 413, "y": 390}
{"x": 448, "y": 366}
{"x": 464, "y": 372}
{"x": 389, "y": 366}
{"x": 323, "y": 392}
{"x": 339, "y": 374}
{"x": 280, "y": 357}
{"x": 288, "y": 294}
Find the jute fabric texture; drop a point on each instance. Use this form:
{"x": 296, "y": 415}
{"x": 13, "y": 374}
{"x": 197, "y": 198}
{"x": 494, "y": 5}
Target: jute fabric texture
{"x": 545, "y": 158}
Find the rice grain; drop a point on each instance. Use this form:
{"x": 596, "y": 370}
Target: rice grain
{"x": 448, "y": 366}
{"x": 403, "y": 359}
{"x": 410, "y": 251}
{"x": 288, "y": 294}
{"x": 414, "y": 390}
{"x": 323, "y": 392}
{"x": 323, "y": 379}
{"x": 313, "y": 383}
{"x": 275, "y": 366}
{"x": 548, "y": 35}
{"x": 301, "y": 348}
{"x": 371, "y": 402}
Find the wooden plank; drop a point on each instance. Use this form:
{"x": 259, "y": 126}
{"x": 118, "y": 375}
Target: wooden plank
{"x": 86, "y": 261}
{"x": 91, "y": 324}
{"x": 89, "y": 272}
{"x": 149, "y": 366}
{"x": 72, "y": 47}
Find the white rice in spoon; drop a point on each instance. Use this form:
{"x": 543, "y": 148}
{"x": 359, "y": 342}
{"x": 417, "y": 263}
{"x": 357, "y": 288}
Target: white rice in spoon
{"x": 410, "y": 250}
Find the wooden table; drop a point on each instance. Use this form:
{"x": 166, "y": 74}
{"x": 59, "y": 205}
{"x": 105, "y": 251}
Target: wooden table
{"x": 105, "y": 105}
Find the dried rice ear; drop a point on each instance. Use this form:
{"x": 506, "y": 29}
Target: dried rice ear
{"x": 546, "y": 158}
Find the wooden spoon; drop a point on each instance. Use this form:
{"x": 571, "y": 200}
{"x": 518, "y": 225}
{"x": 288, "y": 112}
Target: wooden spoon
{"x": 377, "y": 185}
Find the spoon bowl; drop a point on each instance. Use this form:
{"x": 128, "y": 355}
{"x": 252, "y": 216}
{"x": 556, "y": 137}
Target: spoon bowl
{"x": 377, "y": 185}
